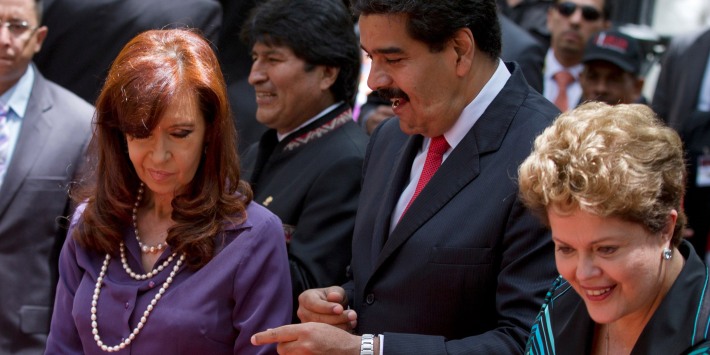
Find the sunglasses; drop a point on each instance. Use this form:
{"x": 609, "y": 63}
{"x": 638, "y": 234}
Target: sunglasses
{"x": 589, "y": 13}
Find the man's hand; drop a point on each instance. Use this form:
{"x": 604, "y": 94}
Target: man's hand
{"x": 326, "y": 305}
{"x": 309, "y": 338}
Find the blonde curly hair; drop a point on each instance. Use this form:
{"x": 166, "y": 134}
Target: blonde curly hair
{"x": 618, "y": 161}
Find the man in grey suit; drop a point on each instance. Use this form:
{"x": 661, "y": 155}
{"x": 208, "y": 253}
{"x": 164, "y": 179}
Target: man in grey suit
{"x": 47, "y": 129}
{"x": 456, "y": 265}
{"x": 682, "y": 99}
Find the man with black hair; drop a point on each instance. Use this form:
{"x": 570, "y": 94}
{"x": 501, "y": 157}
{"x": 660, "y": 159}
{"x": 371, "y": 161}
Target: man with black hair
{"x": 445, "y": 257}
{"x": 307, "y": 167}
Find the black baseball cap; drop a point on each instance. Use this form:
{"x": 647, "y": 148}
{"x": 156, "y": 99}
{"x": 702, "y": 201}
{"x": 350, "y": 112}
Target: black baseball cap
{"x": 614, "y": 47}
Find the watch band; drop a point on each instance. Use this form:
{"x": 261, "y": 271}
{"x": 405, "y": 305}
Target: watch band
{"x": 367, "y": 345}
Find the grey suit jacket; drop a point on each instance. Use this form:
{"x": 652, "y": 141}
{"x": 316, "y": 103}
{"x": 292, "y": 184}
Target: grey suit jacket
{"x": 51, "y": 144}
{"x": 467, "y": 267}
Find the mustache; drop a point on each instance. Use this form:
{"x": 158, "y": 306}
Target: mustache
{"x": 392, "y": 93}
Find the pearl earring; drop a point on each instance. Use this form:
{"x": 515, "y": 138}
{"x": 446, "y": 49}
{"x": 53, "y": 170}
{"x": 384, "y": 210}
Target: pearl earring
{"x": 667, "y": 254}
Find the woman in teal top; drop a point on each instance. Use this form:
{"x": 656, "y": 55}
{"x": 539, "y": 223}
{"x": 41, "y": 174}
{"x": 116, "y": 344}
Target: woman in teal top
{"x": 609, "y": 182}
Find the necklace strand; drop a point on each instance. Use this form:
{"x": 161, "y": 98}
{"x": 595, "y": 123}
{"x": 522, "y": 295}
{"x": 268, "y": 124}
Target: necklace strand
{"x": 104, "y": 268}
{"x": 140, "y": 277}
{"x": 145, "y": 248}
{"x": 146, "y": 313}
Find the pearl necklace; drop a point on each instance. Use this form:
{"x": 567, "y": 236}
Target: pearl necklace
{"x": 146, "y": 313}
{"x": 150, "y": 274}
{"x": 145, "y": 248}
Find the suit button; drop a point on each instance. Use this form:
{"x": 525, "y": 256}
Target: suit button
{"x": 370, "y": 298}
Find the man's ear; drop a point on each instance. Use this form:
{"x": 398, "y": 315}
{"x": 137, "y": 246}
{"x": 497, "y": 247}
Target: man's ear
{"x": 328, "y": 77}
{"x": 41, "y": 34}
{"x": 464, "y": 45}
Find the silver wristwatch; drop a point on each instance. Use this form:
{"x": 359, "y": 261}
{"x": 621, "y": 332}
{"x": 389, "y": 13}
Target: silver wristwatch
{"x": 368, "y": 344}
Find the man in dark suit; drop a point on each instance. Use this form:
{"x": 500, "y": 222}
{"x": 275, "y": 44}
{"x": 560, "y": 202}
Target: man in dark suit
{"x": 87, "y": 35}
{"x": 518, "y": 46}
{"x": 307, "y": 167}
{"x": 682, "y": 99}
{"x": 47, "y": 129}
{"x": 458, "y": 265}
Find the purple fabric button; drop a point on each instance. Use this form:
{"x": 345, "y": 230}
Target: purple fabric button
{"x": 151, "y": 284}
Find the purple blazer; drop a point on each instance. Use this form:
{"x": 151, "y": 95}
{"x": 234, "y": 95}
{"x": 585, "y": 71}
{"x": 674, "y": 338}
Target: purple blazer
{"x": 245, "y": 289}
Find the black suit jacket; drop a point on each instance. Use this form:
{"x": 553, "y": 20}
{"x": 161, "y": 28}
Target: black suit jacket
{"x": 235, "y": 55}
{"x": 311, "y": 180}
{"x": 520, "y": 46}
{"x": 85, "y": 36}
{"x": 467, "y": 267}
{"x": 682, "y": 71}
{"x": 675, "y": 101}
{"x": 54, "y": 134}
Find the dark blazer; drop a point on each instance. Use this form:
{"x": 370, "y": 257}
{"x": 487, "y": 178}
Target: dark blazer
{"x": 682, "y": 70}
{"x": 520, "y": 46}
{"x": 234, "y": 55}
{"x": 675, "y": 101}
{"x": 564, "y": 325}
{"x": 311, "y": 180}
{"x": 51, "y": 145}
{"x": 467, "y": 267}
{"x": 242, "y": 98}
{"x": 85, "y": 36}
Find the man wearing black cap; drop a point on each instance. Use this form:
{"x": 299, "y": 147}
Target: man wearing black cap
{"x": 612, "y": 67}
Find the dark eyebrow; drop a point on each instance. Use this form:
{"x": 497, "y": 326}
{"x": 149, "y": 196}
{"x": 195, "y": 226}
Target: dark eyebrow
{"x": 387, "y": 50}
{"x": 270, "y": 51}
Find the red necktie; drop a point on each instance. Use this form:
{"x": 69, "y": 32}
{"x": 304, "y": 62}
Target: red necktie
{"x": 434, "y": 156}
{"x": 563, "y": 79}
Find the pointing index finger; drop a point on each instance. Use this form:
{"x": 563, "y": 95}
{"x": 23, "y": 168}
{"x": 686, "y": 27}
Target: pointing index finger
{"x": 275, "y": 335}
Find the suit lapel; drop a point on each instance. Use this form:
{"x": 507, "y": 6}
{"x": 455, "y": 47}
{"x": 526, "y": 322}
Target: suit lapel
{"x": 395, "y": 185}
{"x": 34, "y": 134}
{"x": 458, "y": 170}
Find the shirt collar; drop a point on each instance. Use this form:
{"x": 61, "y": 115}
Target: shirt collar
{"x": 304, "y": 124}
{"x": 474, "y": 110}
{"x": 552, "y": 66}
{"x": 18, "y": 96}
